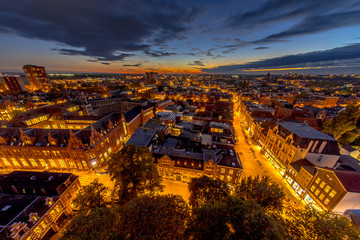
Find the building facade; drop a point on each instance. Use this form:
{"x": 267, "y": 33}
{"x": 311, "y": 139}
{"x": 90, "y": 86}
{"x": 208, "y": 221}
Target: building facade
{"x": 38, "y": 78}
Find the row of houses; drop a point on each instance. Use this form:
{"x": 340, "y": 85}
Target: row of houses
{"x": 308, "y": 159}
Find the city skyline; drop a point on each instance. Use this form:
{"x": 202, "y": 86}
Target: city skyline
{"x": 318, "y": 37}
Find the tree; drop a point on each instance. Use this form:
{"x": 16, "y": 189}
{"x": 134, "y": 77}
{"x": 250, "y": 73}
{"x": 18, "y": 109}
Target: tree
{"x": 311, "y": 224}
{"x": 248, "y": 220}
{"x": 155, "y": 217}
{"x": 100, "y": 223}
{"x": 344, "y": 122}
{"x": 232, "y": 218}
{"x": 265, "y": 192}
{"x": 91, "y": 196}
{"x": 206, "y": 189}
{"x": 134, "y": 173}
{"x": 209, "y": 221}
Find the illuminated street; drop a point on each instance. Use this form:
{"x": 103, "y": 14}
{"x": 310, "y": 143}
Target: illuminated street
{"x": 257, "y": 164}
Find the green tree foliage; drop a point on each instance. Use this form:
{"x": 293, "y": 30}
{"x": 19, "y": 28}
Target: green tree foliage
{"x": 206, "y": 189}
{"x": 134, "y": 173}
{"x": 265, "y": 192}
{"x": 91, "y": 196}
{"x": 248, "y": 220}
{"x": 155, "y": 217}
{"x": 100, "y": 223}
{"x": 308, "y": 224}
{"x": 209, "y": 221}
{"x": 344, "y": 122}
{"x": 232, "y": 219}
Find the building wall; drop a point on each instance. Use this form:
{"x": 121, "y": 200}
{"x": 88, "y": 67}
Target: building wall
{"x": 326, "y": 189}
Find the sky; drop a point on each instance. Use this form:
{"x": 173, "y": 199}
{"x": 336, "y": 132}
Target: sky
{"x": 184, "y": 36}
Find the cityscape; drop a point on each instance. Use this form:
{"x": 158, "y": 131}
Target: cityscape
{"x": 180, "y": 120}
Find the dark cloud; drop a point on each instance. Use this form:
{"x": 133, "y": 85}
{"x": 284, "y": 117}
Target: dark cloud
{"x": 332, "y": 57}
{"x": 260, "y": 48}
{"x": 196, "y": 63}
{"x": 315, "y": 24}
{"x": 110, "y": 31}
{"x": 158, "y": 53}
{"x": 309, "y": 17}
{"x": 132, "y": 65}
{"x": 105, "y": 63}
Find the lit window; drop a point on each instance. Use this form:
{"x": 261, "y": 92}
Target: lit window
{"x": 62, "y": 163}
{"x": 6, "y": 162}
{"x": 317, "y": 181}
{"x": 33, "y": 162}
{"x": 16, "y": 163}
{"x": 332, "y": 193}
{"x": 42, "y": 162}
{"x": 326, "y": 201}
{"x": 317, "y": 192}
{"x": 327, "y": 189}
{"x": 231, "y": 171}
{"x": 322, "y": 184}
{"x": 321, "y": 197}
{"x": 222, "y": 170}
{"x": 52, "y": 163}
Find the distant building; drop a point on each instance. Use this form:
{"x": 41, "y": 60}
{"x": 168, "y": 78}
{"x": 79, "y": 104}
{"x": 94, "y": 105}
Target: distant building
{"x": 14, "y": 83}
{"x": 38, "y": 78}
{"x": 34, "y": 205}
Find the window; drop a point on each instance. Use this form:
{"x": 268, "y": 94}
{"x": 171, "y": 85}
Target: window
{"x": 317, "y": 181}
{"x": 231, "y": 171}
{"x": 62, "y": 163}
{"x": 321, "y": 197}
{"x": 317, "y": 192}
{"x": 312, "y": 188}
{"x": 42, "y": 162}
{"x": 332, "y": 193}
{"x": 327, "y": 189}
{"x": 6, "y": 162}
{"x": 52, "y": 163}
{"x": 33, "y": 162}
{"x": 326, "y": 201}
{"x": 16, "y": 163}
{"x": 322, "y": 184}
{"x": 222, "y": 170}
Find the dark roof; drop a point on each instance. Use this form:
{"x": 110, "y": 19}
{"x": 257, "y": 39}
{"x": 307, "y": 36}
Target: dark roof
{"x": 132, "y": 113}
{"x": 349, "y": 179}
{"x": 304, "y": 163}
{"x": 349, "y": 148}
{"x": 51, "y": 182}
{"x": 304, "y": 131}
{"x": 348, "y": 162}
{"x": 141, "y": 137}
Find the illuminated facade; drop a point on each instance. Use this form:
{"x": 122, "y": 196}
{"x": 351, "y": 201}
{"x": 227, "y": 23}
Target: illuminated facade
{"x": 38, "y": 78}
{"x": 14, "y": 83}
{"x": 78, "y": 143}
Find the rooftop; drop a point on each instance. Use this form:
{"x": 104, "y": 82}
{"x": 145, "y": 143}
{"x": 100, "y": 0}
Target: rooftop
{"x": 304, "y": 131}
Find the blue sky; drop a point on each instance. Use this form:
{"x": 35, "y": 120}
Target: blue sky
{"x": 244, "y": 37}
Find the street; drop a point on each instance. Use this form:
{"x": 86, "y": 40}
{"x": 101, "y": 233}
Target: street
{"x": 254, "y": 163}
